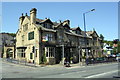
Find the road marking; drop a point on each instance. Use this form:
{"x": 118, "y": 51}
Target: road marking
{"x": 101, "y": 64}
{"x": 68, "y": 73}
{"x": 93, "y": 76}
{"x": 72, "y": 73}
{"x": 83, "y": 71}
{"x": 75, "y": 67}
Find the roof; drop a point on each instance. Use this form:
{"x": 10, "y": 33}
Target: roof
{"x": 50, "y": 30}
{"x": 89, "y": 32}
{"x": 39, "y": 20}
{"x": 74, "y": 28}
{"x": 56, "y": 24}
{"x": 72, "y": 33}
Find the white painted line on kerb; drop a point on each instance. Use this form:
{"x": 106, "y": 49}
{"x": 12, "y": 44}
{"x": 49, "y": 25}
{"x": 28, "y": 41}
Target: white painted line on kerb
{"x": 93, "y": 76}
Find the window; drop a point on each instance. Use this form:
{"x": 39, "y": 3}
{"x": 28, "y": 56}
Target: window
{"x": 60, "y": 38}
{"x": 87, "y": 42}
{"x": 50, "y": 51}
{"x": 50, "y": 26}
{"x": 37, "y": 23}
{"x": 21, "y": 53}
{"x": 66, "y": 29}
{"x": 47, "y": 51}
{"x": 44, "y": 25}
{"x": 31, "y": 55}
{"x": 31, "y": 35}
{"x": 50, "y": 37}
{"x": 22, "y": 37}
{"x": 78, "y": 32}
{"x": 36, "y": 52}
{"x": 25, "y": 27}
{"x": 47, "y": 25}
{"x": 82, "y": 41}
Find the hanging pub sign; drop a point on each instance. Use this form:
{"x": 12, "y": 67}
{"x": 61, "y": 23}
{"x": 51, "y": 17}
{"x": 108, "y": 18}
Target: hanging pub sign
{"x": 45, "y": 38}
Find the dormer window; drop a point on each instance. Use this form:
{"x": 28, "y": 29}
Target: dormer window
{"x": 66, "y": 27}
{"x": 50, "y": 26}
{"x": 37, "y": 23}
{"x": 78, "y": 32}
{"x": 47, "y": 25}
{"x": 44, "y": 25}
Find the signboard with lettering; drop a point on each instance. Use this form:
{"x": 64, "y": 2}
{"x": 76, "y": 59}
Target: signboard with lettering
{"x": 45, "y": 38}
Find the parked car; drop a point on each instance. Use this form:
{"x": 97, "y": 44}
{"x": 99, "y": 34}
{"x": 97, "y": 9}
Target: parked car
{"x": 99, "y": 60}
{"x": 118, "y": 57}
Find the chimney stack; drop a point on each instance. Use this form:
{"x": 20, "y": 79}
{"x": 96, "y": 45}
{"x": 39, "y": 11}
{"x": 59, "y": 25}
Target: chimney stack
{"x": 33, "y": 15}
{"x": 66, "y": 22}
{"x": 21, "y": 20}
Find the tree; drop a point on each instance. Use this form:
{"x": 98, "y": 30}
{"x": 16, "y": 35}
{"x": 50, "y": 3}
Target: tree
{"x": 44, "y": 58}
{"x": 118, "y": 47}
{"x": 115, "y": 50}
{"x": 12, "y": 34}
{"x": 108, "y": 42}
{"x": 101, "y": 36}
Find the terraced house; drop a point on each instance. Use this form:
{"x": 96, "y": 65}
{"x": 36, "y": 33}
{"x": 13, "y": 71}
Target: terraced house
{"x": 39, "y": 38}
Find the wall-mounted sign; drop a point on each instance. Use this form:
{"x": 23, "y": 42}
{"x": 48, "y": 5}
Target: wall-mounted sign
{"x": 45, "y": 38}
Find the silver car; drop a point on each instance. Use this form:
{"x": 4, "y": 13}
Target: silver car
{"x": 118, "y": 57}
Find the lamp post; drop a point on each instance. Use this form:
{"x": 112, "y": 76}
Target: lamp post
{"x": 63, "y": 53}
{"x": 79, "y": 53}
{"x": 85, "y": 40}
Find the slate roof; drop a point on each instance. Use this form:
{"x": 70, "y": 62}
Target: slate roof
{"x": 90, "y": 32}
{"x": 56, "y": 24}
{"x": 74, "y": 28}
{"x": 39, "y": 20}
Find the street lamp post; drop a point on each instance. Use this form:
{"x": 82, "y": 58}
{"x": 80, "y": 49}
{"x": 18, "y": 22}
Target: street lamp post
{"x": 79, "y": 53}
{"x": 63, "y": 53}
{"x": 85, "y": 40}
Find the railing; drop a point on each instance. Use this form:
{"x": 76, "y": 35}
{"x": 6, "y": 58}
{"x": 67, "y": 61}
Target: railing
{"x": 21, "y": 62}
{"x": 101, "y": 60}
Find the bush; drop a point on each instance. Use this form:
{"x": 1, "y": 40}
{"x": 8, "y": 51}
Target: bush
{"x": 44, "y": 58}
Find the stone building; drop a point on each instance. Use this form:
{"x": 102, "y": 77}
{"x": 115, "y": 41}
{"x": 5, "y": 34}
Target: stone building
{"x": 39, "y": 38}
{"x": 7, "y": 45}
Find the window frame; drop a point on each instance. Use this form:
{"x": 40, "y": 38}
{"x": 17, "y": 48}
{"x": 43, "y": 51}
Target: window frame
{"x": 31, "y": 34}
{"x": 31, "y": 55}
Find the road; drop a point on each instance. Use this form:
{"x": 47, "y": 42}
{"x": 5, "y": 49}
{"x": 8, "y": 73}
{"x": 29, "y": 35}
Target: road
{"x": 10, "y": 70}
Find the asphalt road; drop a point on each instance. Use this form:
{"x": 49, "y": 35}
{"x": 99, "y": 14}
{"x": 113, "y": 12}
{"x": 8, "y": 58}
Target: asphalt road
{"x": 10, "y": 70}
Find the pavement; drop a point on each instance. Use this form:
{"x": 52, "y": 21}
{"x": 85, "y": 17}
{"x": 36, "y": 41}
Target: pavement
{"x": 10, "y": 70}
{"x": 55, "y": 65}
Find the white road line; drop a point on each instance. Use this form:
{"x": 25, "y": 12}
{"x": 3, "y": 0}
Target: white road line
{"x": 72, "y": 73}
{"x": 75, "y": 67}
{"x": 83, "y": 71}
{"x": 67, "y": 73}
{"x": 93, "y": 76}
